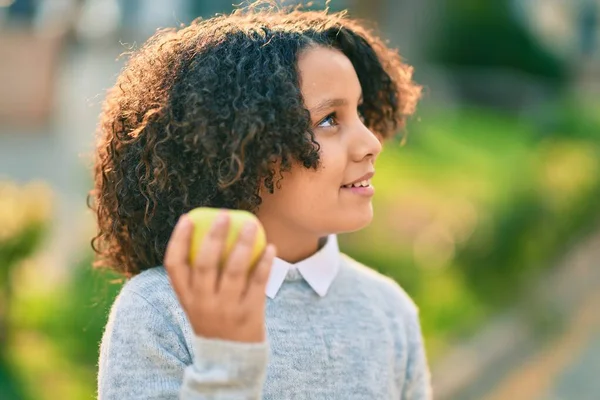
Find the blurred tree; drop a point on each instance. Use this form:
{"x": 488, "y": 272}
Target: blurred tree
{"x": 24, "y": 219}
{"x": 368, "y": 10}
{"x": 588, "y": 26}
{"x": 485, "y": 36}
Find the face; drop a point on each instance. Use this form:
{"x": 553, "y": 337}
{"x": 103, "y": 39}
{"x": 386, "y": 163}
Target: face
{"x": 315, "y": 202}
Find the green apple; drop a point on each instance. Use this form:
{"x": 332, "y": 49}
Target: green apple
{"x": 203, "y": 219}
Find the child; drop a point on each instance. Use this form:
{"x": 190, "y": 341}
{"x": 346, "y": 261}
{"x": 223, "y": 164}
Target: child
{"x": 282, "y": 113}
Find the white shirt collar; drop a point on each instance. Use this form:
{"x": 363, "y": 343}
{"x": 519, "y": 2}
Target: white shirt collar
{"x": 319, "y": 270}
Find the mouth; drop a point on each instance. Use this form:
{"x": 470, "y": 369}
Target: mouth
{"x": 364, "y": 183}
{"x": 365, "y": 191}
{"x": 361, "y": 186}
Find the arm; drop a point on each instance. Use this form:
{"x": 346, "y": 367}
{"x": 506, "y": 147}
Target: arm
{"x": 144, "y": 356}
{"x": 417, "y": 383}
{"x": 225, "y": 370}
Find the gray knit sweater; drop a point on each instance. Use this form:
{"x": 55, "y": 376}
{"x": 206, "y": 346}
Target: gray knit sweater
{"x": 361, "y": 341}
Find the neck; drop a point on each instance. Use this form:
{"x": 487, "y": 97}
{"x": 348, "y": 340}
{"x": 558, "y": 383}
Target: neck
{"x": 293, "y": 245}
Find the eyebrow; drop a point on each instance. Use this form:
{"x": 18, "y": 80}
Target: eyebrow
{"x": 331, "y": 103}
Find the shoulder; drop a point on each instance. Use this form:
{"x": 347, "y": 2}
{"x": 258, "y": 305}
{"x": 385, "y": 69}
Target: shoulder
{"x": 383, "y": 287}
{"x": 149, "y": 296}
{"x": 144, "y": 344}
{"x": 151, "y": 285}
{"x": 387, "y": 295}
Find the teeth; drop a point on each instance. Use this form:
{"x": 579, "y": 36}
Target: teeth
{"x": 364, "y": 183}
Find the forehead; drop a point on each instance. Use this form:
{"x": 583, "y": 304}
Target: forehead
{"x": 326, "y": 73}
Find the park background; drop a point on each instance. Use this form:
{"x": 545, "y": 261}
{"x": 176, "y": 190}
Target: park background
{"x": 487, "y": 214}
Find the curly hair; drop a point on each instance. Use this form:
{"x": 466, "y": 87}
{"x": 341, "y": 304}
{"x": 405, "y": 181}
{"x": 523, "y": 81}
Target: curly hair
{"x": 200, "y": 115}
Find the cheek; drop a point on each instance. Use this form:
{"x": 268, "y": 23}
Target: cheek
{"x": 306, "y": 189}
{"x": 309, "y": 193}
{"x": 332, "y": 171}
{"x": 297, "y": 191}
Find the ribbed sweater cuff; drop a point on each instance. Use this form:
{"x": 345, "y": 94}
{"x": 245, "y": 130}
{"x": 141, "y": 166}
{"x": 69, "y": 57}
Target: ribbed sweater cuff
{"x": 227, "y": 361}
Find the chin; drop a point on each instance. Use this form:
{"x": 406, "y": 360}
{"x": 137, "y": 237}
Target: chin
{"x": 356, "y": 223}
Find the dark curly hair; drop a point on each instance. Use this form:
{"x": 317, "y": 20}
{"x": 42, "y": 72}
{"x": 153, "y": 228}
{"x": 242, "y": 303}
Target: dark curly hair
{"x": 199, "y": 116}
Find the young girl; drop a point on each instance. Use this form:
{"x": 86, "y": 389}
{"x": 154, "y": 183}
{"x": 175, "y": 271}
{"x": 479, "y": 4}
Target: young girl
{"x": 281, "y": 113}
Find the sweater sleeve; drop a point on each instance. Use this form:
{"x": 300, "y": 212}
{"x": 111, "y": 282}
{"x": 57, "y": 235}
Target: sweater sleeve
{"x": 144, "y": 356}
{"x": 417, "y": 383}
{"x": 225, "y": 370}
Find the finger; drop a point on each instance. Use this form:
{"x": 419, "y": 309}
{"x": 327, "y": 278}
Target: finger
{"x": 176, "y": 257}
{"x": 206, "y": 266}
{"x": 234, "y": 275}
{"x": 254, "y": 295}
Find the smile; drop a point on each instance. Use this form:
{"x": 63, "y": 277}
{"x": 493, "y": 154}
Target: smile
{"x": 365, "y": 183}
{"x": 358, "y": 189}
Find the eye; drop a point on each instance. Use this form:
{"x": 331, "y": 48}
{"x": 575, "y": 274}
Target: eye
{"x": 328, "y": 121}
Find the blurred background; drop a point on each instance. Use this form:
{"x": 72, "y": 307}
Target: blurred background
{"x": 488, "y": 215}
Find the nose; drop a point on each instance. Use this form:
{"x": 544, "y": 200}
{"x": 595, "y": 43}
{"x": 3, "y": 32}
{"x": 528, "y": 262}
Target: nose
{"x": 364, "y": 144}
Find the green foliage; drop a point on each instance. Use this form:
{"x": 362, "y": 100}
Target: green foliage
{"x": 475, "y": 207}
{"x": 486, "y": 34}
{"x": 83, "y": 311}
{"x": 24, "y": 219}
{"x": 64, "y": 326}
{"x": 10, "y": 385}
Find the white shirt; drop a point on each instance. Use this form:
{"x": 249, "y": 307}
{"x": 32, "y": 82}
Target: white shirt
{"x": 318, "y": 270}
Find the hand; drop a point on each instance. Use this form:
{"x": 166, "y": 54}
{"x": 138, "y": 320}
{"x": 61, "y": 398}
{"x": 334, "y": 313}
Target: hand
{"x": 225, "y": 303}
